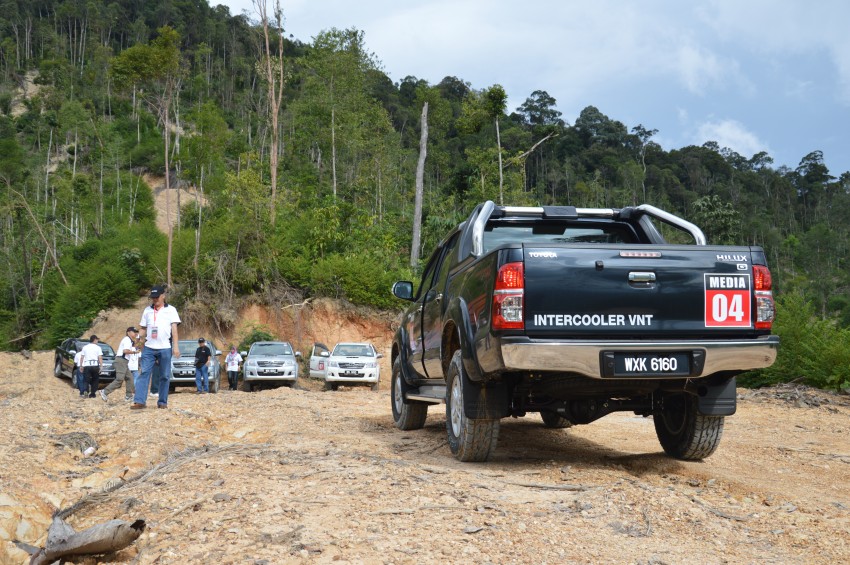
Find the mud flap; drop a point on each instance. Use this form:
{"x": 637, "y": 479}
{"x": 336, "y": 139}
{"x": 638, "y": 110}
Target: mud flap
{"x": 718, "y": 400}
{"x": 485, "y": 402}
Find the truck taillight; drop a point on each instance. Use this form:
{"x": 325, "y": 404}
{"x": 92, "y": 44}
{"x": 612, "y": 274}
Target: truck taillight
{"x": 507, "y": 297}
{"x": 765, "y": 309}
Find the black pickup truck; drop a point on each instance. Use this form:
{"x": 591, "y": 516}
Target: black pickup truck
{"x": 575, "y": 313}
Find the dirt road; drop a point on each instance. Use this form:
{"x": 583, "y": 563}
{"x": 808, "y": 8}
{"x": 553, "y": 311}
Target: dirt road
{"x": 289, "y": 476}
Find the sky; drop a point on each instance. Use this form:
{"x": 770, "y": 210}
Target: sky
{"x": 751, "y": 75}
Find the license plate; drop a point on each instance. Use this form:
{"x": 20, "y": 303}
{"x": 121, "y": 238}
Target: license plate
{"x": 634, "y": 364}
{"x": 352, "y": 374}
{"x": 269, "y": 372}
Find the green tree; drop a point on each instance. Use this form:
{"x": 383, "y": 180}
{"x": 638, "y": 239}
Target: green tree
{"x": 156, "y": 70}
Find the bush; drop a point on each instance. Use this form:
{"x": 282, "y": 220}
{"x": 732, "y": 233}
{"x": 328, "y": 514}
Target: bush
{"x": 813, "y": 350}
{"x": 360, "y": 280}
{"x": 255, "y": 334}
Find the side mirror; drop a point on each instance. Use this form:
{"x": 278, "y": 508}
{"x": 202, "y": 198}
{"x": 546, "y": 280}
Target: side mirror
{"x": 324, "y": 354}
{"x": 218, "y": 351}
{"x": 403, "y": 290}
{"x": 243, "y": 353}
{"x": 298, "y": 354}
{"x": 72, "y": 353}
{"x": 379, "y": 356}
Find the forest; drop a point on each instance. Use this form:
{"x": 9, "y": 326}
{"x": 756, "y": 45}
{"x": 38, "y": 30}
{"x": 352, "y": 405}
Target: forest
{"x": 305, "y": 157}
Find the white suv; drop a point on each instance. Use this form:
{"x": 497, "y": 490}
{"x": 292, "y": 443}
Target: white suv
{"x": 269, "y": 362}
{"x": 353, "y": 364}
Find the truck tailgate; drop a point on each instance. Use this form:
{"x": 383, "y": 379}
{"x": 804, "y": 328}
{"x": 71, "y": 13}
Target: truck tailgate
{"x": 637, "y": 291}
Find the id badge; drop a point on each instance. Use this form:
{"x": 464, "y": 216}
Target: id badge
{"x": 154, "y": 332}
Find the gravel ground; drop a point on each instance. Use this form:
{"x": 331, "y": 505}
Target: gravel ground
{"x": 301, "y": 475}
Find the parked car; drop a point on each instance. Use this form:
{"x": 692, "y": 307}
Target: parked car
{"x": 353, "y": 364}
{"x": 269, "y": 362}
{"x": 183, "y": 367}
{"x": 319, "y": 360}
{"x": 63, "y": 365}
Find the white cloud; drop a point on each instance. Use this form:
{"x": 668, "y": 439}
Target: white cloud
{"x": 781, "y": 27}
{"x": 731, "y": 134}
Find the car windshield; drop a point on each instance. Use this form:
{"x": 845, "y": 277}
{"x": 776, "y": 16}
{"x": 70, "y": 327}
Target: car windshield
{"x": 271, "y": 349}
{"x": 353, "y": 350}
{"x": 189, "y": 347}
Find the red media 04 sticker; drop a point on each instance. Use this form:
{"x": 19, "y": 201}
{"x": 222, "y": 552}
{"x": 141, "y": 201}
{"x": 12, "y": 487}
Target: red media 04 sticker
{"x": 727, "y": 301}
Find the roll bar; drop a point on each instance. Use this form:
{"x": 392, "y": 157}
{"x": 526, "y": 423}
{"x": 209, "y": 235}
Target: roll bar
{"x": 472, "y": 238}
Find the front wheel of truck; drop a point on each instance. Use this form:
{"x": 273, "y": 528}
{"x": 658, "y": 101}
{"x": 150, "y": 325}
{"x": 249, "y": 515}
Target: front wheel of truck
{"x": 684, "y": 433}
{"x": 469, "y": 440}
{"x": 406, "y": 415}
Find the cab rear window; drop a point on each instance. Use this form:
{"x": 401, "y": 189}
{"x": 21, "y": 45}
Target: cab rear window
{"x": 544, "y": 233}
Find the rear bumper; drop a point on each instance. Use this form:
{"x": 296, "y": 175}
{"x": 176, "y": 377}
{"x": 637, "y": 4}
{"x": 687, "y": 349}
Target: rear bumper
{"x": 584, "y": 356}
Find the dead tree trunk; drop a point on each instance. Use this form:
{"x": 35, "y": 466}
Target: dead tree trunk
{"x": 108, "y": 537}
{"x": 420, "y": 188}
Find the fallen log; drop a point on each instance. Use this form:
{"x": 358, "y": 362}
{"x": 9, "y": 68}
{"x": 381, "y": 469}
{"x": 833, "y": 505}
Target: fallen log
{"x": 108, "y": 537}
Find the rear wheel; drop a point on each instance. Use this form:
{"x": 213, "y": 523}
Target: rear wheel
{"x": 57, "y": 369}
{"x": 406, "y": 415}
{"x": 469, "y": 440}
{"x": 684, "y": 433}
{"x": 215, "y": 385}
{"x": 552, "y": 419}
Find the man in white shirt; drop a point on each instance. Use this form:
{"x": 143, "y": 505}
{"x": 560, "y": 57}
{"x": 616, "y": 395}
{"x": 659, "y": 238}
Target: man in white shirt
{"x": 159, "y": 332}
{"x": 126, "y": 349}
{"x": 92, "y": 362}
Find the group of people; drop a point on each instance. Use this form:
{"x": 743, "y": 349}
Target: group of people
{"x": 143, "y": 359}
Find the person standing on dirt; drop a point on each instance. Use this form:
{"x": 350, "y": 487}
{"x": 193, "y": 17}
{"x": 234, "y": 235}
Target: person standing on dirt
{"x": 202, "y": 369}
{"x": 79, "y": 378}
{"x": 232, "y": 364}
{"x": 126, "y": 349}
{"x": 92, "y": 363}
{"x": 159, "y": 331}
{"x": 133, "y": 363}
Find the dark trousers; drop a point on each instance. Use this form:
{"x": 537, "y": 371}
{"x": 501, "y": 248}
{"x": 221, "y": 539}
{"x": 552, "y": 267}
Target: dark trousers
{"x": 233, "y": 379}
{"x": 92, "y": 375}
{"x": 80, "y": 380}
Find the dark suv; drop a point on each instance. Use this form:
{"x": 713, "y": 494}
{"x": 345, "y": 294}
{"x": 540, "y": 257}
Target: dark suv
{"x": 63, "y": 365}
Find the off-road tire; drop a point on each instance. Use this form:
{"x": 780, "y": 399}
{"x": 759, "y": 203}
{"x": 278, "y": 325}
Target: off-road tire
{"x": 469, "y": 440}
{"x": 684, "y": 433}
{"x": 246, "y": 386}
{"x": 374, "y": 387}
{"x": 330, "y": 386}
{"x": 406, "y": 415}
{"x": 57, "y": 369}
{"x": 553, "y": 420}
{"x": 215, "y": 385}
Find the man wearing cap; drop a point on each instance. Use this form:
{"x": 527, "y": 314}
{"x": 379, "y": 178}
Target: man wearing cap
{"x": 159, "y": 332}
{"x": 92, "y": 362}
{"x": 202, "y": 369}
{"x": 126, "y": 349}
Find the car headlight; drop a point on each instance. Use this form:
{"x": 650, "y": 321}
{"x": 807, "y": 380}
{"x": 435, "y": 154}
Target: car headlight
{"x": 288, "y": 363}
{"x": 370, "y": 365}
